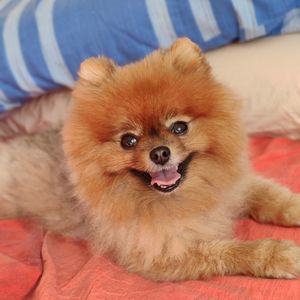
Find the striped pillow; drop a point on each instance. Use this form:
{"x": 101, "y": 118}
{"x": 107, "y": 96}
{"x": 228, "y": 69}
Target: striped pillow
{"x": 43, "y": 41}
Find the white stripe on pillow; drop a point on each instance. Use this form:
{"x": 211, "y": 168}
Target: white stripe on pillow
{"x": 205, "y": 19}
{"x": 50, "y": 49}
{"x": 14, "y": 53}
{"x": 161, "y": 22}
{"x": 3, "y": 3}
{"x": 246, "y": 15}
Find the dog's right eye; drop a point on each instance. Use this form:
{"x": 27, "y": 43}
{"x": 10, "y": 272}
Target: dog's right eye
{"x": 179, "y": 128}
{"x": 129, "y": 141}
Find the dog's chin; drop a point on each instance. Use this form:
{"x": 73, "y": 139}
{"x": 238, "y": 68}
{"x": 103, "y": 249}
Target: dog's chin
{"x": 146, "y": 178}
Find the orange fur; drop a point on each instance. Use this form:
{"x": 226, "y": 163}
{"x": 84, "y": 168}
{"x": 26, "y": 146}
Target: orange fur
{"x": 147, "y": 231}
{"x": 187, "y": 233}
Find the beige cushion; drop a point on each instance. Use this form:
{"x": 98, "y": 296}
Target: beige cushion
{"x": 266, "y": 75}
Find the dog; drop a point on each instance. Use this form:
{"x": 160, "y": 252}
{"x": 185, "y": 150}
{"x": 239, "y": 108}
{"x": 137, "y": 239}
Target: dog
{"x": 152, "y": 170}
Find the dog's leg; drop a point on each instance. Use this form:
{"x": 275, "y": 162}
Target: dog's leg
{"x": 34, "y": 185}
{"x": 8, "y": 205}
{"x": 268, "y": 202}
{"x": 260, "y": 258}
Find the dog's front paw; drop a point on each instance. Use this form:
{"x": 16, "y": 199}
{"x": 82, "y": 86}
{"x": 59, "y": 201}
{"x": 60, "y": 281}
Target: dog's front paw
{"x": 290, "y": 214}
{"x": 278, "y": 259}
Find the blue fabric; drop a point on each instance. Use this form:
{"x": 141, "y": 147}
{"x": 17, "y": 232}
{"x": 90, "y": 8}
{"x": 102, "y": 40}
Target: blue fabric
{"x": 42, "y": 42}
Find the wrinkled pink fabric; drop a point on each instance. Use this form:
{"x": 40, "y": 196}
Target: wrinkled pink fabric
{"x": 45, "y": 266}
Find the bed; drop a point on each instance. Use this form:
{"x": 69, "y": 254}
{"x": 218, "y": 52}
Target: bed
{"x": 40, "y": 265}
{"x": 36, "y": 264}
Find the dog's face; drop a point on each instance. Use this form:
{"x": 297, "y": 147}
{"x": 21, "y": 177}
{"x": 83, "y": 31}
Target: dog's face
{"x": 154, "y": 127}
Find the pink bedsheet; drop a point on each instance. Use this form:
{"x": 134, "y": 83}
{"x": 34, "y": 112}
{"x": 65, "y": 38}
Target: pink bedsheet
{"x": 39, "y": 265}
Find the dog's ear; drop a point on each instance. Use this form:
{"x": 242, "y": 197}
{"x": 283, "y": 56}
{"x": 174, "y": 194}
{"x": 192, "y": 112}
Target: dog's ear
{"x": 186, "y": 56}
{"x": 96, "y": 69}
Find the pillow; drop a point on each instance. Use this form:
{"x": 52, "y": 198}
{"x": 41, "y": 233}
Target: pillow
{"x": 44, "y": 41}
{"x": 266, "y": 75}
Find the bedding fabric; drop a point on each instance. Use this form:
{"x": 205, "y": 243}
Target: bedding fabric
{"x": 44, "y": 266}
{"x": 43, "y": 41}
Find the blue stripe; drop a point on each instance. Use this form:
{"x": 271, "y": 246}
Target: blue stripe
{"x": 264, "y": 11}
{"x": 183, "y": 20}
{"x": 276, "y": 16}
{"x": 119, "y": 35}
{"x": 226, "y": 20}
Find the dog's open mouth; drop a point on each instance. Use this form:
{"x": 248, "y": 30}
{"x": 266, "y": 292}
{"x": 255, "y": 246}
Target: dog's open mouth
{"x": 167, "y": 179}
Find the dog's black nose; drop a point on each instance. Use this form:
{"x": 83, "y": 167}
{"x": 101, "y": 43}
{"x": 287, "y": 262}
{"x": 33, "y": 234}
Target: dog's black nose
{"x": 160, "y": 155}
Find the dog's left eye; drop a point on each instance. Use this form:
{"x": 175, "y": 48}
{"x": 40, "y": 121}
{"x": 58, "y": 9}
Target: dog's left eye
{"x": 179, "y": 128}
{"x": 129, "y": 141}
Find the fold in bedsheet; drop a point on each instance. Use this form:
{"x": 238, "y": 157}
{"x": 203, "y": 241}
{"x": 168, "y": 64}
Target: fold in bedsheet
{"x": 51, "y": 267}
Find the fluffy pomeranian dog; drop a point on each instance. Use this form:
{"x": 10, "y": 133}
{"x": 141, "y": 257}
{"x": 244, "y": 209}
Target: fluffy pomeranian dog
{"x": 152, "y": 170}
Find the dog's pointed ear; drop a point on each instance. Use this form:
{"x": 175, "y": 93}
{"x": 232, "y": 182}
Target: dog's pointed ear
{"x": 96, "y": 69}
{"x": 186, "y": 56}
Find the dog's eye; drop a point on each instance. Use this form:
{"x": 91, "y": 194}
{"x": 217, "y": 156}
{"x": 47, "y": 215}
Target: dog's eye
{"x": 129, "y": 141}
{"x": 179, "y": 127}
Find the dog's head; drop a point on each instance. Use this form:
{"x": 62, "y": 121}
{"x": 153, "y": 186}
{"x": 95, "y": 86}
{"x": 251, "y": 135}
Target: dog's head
{"x": 157, "y": 127}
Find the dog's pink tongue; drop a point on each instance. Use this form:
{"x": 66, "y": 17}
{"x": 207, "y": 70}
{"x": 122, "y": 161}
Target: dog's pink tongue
{"x": 165, "y": 177}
